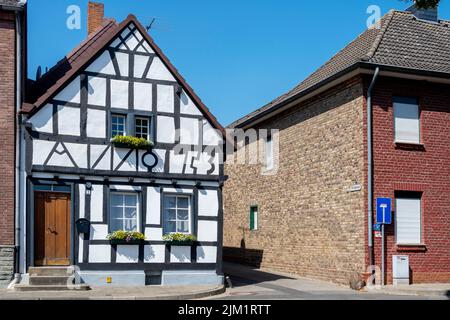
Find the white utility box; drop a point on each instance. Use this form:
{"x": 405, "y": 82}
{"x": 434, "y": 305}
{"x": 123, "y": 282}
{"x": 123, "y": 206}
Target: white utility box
{"x": 400, "y": 270}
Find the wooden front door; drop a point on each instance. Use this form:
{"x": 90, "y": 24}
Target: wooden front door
{"x": 52, "y": 229}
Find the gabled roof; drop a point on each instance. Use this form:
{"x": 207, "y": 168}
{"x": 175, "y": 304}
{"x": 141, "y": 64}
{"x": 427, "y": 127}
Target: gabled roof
{"x": 402, "y": 41}
{"x": 68, "y": 68}
{"x": 12, "y": 3}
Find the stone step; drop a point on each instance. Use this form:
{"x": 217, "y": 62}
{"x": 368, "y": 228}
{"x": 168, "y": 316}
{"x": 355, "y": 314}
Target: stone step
{"x": 51, "y": 271}
{"x": 25, "y": 287}
{"x": 49, "y": 280}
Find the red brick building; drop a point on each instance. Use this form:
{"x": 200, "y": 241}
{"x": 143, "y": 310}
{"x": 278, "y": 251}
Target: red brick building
{"x": 12, "y": 71}
{"x": 316, "y": 214}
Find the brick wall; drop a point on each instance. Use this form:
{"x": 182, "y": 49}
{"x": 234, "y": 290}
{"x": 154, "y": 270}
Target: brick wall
{"x": 7, "y": 116}
{"x": 7, "y": 156}
{"x": 308, "y": 223}
{"x": 425, "y": 170}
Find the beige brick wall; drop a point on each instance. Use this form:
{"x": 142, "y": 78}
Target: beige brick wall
{"x": 309, "y": 224}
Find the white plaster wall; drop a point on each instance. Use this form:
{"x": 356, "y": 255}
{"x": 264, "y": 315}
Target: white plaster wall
{"x": 158, "y": 71}
{"x": 82, "y": 193}
{"x": 180, "y": 254}
{"x": 140, "y": 63}
{"x": 119, "y": 94}
{"x": 211, "y": 136}
{"x": 99, "y": 253}
{"x": 115, "y": 43}
{"x": 161, "y": 155}
{"x": 166, "y": 129}
{"x": 154, "y": 253}
{"x": 68, "y": 121}
{"x": 130, "y": 162}
{"x": 147, "y": 46}
{"x": 208, "y": 203}
{"x": 42, "y": 121}
{"x": 105, "y": 162}
{"x": 97, "y": 203}
{"x": 142, "y": 167}
{"x": 97, "y": 91}
{"x": 78, "y": 152}
{"x": 189, "y": 131}
{"x": 71, "y": 93}
{"x": 187, "y": 106}
{"x": 165, "y": 100}
{"x": 127, "y": 254}
{"x": 131, "y": 42}
{"x": 207, "y": 230}
{"x": 98, "y": 231}
{"x": 206, "y": 254}
{"x": 143, "y": 96}
{"x": 102, "y": 64}
{"x": 123, "y": 60}
{"x": 176, "y": 162}
{"x": 96, "y": 123}
{"x": 203, "y": 164}
{"x": 153, "y": 234}
{"x": 153, "y": 205}
{"x": 138, "y": 35}
{"x": 41, "y": 150}
{"x": 60, "y": 160}
{"x": 178, "y": 190}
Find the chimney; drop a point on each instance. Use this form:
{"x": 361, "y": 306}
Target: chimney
{"x": 429, "y": 14}
{"x": 96, "y": 13}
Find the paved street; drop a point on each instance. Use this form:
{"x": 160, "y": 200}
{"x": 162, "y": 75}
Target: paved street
{"x": 249, "y": 284}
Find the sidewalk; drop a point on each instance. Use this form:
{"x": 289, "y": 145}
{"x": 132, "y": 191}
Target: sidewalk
{"x": 434, "y": 289}
{"x": 119, "y": 293}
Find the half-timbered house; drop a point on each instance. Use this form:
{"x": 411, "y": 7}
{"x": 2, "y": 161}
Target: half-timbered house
{"x": 119, "y": 83}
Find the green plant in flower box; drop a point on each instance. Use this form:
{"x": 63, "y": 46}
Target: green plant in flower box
{"x": 131, "y": 142}
{"x": 179, "y": 239}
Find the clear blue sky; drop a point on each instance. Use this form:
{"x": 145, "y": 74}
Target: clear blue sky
{"x": 236, "y": 54}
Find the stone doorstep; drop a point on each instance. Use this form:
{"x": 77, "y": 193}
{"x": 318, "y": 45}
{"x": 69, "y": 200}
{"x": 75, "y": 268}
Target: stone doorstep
{"x": 37, "y": 288}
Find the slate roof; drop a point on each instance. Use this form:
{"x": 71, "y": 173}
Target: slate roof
{"x": 402, "y": 41}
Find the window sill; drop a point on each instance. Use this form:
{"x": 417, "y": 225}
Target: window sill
{"x": 409, "y": 146}
{"x": 411, "y": 247}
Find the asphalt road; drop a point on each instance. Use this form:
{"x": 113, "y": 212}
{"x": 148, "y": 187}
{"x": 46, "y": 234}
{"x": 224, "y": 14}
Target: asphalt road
{"x": 252, "y": 284}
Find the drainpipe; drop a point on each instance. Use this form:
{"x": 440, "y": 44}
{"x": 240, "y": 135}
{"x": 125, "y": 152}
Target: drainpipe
{"x": 370, "y": 167}
{"x": 18, "y": 151}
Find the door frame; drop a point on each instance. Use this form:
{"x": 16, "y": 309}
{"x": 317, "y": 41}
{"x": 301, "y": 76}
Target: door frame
{"x": 31, "y": 183}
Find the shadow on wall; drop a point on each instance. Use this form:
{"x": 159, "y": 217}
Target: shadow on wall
{"x": 242, "y": 255}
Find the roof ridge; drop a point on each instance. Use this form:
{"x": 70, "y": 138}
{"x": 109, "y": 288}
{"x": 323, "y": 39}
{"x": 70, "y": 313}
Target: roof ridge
{"x": 376, "y": 44}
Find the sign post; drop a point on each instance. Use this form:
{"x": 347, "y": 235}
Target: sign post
{"x": 384, "y": 216}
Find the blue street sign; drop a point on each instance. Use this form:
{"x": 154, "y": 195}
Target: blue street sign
{"x": 384, "y": 211}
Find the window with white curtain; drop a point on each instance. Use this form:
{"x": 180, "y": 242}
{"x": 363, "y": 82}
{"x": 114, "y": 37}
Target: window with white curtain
{"x": 408, "y": 219}
{"x": 177, "y": 214}
{"x": 407, "y": 120}
{"x": 124, "y": 211}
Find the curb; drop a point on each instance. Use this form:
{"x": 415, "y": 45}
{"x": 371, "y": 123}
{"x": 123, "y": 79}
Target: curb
{"x": 423, "y": 293}
{"x": 187, "y": 296}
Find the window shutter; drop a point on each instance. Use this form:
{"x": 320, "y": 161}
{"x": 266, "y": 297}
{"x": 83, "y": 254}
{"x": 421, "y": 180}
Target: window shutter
{"x": 253, "y": 218}
{"x": 408, "y": 220}
{"x": 407, "y": 126}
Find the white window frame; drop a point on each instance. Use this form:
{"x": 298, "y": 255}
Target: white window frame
{"x": 148, "y": 119}
{"x": 412, "y": 102}
{"x": 138, "y": 213}
{"x": 124, "y": 126}
{"x": 411, "y": 197}
{"x": 190, "y": 216}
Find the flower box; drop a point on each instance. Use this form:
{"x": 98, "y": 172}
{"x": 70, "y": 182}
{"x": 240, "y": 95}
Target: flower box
{"x": 122, "y": 242}
{"x": 131, "y": 143}
{"x": 125, "y": 237}
{"x": 179, "y": 239}
{"x": 180, "y": 243}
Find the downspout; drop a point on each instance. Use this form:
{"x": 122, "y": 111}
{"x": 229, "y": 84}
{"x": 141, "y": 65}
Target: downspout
{"x": 18, "y": 151}
{"x": 370, "y": 167}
